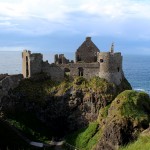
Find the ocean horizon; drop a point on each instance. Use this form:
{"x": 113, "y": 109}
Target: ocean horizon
{"x": 136, "y": 67}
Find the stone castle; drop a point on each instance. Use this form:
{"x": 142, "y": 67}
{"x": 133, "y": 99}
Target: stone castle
{"x": 89, "y": 62}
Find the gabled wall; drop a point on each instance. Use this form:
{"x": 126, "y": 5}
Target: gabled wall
{"x": 87, "y": 52}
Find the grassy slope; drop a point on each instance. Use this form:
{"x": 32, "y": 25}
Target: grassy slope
{"x": 138, "y": 108}
{"x": 85, "y": 138}
{"x": 142, "y": 143}
{"x": 134, "y": 106}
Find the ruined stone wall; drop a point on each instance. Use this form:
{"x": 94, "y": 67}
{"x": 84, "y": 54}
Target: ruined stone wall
{"x": 87, "y": 52}
{"x": 31, "y": 63}
{"x": 35, "y": 61}
{"x": 9, "y": 82}
{"x": 60, "y": 59}
{"x": 54, "y": 71}
{"x": 87, "y": 70}
{"x": 111, "y": 67}
{"x": 25, "y": 63}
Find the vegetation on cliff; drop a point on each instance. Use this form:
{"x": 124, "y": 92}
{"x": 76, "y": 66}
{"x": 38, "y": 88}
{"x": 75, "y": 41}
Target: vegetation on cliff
{"x": 129, "y": 104}
{"x": 126, "y": 117}
{"x": 119, "y": 123}
{"x": 142, "y": 143}
{"x": 85, "y": 138}
{"x": 62, "y": 107}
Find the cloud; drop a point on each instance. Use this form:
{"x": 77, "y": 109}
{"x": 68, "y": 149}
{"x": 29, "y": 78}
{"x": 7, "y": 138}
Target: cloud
{"x": 98, "y": 17}
{"x": 118, "y": 8}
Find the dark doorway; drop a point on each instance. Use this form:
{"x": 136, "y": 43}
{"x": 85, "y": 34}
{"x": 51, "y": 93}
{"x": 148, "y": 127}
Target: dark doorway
{"x": 66, "y": 71}
{"x": 118, "y": 69}
{"x": 27, "y": 68}
{"x": 101, "y": 60}
{"x": 80, "y": 72}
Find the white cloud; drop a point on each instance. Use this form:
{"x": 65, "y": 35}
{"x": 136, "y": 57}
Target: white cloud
{"x": 95, "y": 17}
{"x": 117, "y": 8}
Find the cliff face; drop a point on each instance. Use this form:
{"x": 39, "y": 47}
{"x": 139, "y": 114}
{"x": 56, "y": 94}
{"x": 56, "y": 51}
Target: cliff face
{"x": 65, "y": 106}
{"x": 61, "y": 108}
{"x": 127, "y": 116}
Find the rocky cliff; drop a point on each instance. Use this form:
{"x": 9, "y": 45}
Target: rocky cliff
{"x": 127, "y": 116}
{"x": 61, "y": 107}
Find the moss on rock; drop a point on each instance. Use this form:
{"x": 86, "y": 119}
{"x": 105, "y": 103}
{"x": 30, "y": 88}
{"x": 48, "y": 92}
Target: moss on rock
{"x": 127, "y": 116}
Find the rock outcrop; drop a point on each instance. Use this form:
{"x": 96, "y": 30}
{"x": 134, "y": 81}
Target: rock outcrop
{"x": 65, "y": 106}
{"x": 128, "y": 115}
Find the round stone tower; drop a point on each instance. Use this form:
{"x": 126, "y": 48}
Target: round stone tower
{"x": 111, "y": 66}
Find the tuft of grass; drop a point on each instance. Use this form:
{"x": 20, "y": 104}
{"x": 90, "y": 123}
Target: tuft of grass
{"x": 94, "y": 140}
{"x": 103, "y": 113}
{"x": 98, "y": 83}
{"x": 142, "y": 143}
{"x": 63, "y": 87}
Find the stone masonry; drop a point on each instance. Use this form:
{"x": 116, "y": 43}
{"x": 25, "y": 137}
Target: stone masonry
{"x": 89, "y": 62}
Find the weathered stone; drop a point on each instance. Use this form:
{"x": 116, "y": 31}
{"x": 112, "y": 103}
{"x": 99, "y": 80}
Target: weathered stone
{"x": 90, "y": 62}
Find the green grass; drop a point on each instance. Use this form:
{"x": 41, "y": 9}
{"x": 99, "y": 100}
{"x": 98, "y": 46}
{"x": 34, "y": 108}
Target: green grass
{"x": 103, "y": 113}
{"x": 30, "y": 126}
{"x": 29, "y": 132}
{"x": 85, "y": 138}
{"x": 131, "y": 104}
{"x": 35, "y": 90}
{"x": 94, "y": 140}
{"x": 142, "y": 143}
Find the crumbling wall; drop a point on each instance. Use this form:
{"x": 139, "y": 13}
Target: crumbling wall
{"x": 89, "y": 69}
{"x": 60, "y": 59}
{"x": 54, "y": 71}
{"x": 36, "y": 60}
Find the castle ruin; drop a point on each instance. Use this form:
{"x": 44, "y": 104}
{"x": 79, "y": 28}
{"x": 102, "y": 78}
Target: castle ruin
{"x": 89, "y": 62}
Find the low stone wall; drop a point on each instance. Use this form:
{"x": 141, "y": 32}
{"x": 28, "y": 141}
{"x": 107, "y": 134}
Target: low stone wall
{"x": 9, "y": 82}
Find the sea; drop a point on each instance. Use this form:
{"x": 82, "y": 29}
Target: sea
{"x": 136, "y": 67}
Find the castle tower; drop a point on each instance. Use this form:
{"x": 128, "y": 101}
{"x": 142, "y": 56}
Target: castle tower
{"x": 111, "y": 66}
{"x": 31, "y": 63}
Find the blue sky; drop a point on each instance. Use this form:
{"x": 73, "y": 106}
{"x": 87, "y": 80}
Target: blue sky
{"x": 61, "y": 25}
